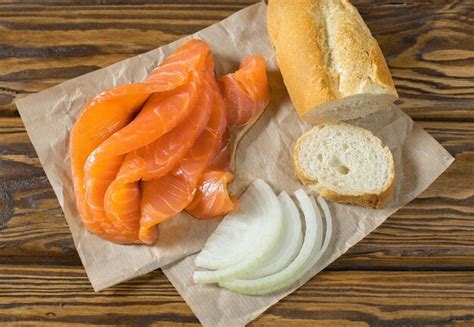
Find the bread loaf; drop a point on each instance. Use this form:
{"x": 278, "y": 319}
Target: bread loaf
{"x": 331, "y": 65}
{"x": 345, "y": 163}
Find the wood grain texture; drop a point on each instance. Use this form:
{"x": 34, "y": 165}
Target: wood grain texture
{"x": 429, "y": 45}
{"x": 43, "y": 295}
{"x": 417, "y": 269}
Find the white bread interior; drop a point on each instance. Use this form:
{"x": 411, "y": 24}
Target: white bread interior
{"x": 332, "y": 66}
{"x": 345, "y": 163}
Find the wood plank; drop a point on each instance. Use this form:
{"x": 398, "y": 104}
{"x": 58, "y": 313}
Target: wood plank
{"x": 62, "y": 295}
{"x": 434, "y": 231}
{"x": 429, "y": 45}
{"x": 55, "y": 48}
{"x": 31, "y": 220}
{"x": 378, "y": 299}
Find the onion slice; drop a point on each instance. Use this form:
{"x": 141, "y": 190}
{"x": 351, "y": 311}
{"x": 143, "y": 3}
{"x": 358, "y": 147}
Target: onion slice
{"x": 289, "y": 275}
{"x": 317, "y": 253}
{"x": 244, "y": 239}
{"x": 288, "y": 245}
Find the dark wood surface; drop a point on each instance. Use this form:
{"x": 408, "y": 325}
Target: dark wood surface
{"x": 417, "y": 269}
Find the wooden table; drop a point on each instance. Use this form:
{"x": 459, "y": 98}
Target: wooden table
{"x": 416, "y": 269}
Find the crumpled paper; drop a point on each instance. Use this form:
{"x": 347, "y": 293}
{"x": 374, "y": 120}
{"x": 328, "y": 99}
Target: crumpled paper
{"x": 264, "y": 152}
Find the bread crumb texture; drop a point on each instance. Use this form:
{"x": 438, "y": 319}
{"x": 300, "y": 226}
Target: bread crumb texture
{"x": 345, "y": 163}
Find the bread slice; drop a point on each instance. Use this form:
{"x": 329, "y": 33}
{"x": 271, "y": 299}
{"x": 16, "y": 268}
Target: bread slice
{"x": 346, "y": 164}
{"x": 332, "y": 66}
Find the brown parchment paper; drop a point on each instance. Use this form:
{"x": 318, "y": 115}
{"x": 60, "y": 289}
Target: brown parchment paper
{"x": 265, "y": 152}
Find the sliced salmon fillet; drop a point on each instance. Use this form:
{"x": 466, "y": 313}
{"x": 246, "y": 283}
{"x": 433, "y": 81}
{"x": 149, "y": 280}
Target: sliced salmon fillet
{"x": 212, "y": 198}
{"x": 132, "y": 171}
{"x": 246, "y": 95}
{"x": 162, "y": 199}
{"x": 102, "y": 116}
{"x": 165, "y": 197}
{"x": 122, "y": 198}
{"x": 246, "y": 91}
{"x": 189, "y": 56}
{"x": 95, "y": 190}
{"x": 106, "y": 114}
{"x": 221, "y": 160}
{"x": 102, "y": 166}
{"x": 162, "y": 155}
{"x": 161, "y": 113}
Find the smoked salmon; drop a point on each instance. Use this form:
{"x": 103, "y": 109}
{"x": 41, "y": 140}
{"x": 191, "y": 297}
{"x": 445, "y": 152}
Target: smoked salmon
{"x": 143, "y": 152}
{"x": 163, "y": 155}
{"x": 246, "y": 91}
{"x": 110, "y": 111}
{"x": 246, "y": 94}
{"x": 212, "y": 198}
{"x": 122, "y": 198}
{"x": 104, "y": 162}
{"x": 164, "y": 198}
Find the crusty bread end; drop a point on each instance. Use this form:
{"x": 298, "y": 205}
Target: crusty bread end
{"x": 331, "y": 64}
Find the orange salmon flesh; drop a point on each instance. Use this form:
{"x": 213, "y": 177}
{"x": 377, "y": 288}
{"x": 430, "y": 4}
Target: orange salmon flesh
{"x": 142, "y": 153}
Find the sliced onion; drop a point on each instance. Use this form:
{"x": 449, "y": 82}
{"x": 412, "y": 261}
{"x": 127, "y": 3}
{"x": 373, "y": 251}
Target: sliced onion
{"x": 235, "y": 237}
{"x": 288, "y": 245}
{"x": 312, "y": 241}
{"x": 317, "y": 253}
{"x": 328, "y": 232}
{"x": 243, "y": 239}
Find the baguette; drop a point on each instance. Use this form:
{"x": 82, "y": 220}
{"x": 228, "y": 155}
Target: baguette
{"x": 331, "y": 65}
{"x": 346, "y": 164}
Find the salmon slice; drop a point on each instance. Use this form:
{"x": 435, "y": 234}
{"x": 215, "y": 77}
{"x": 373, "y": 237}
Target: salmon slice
{"x": 212, "y": 198}
{"x": 121, "y": 194}
{"x": 122, "y": 198}
{"x": 95, "y": 189}
{"x": 102, "y": 166}
{"x": 221, "y": 160}
{"x": 162, "y": 199}
{"x": 246, "y": 91}
{"x": 165, "y": 197}
{"x": 132, "y": 173}
{"x": 99, "y": 172}
{"x": 161, "y": 113}
{"x": 102, "y": 116}
{"x": 190, "y": 56}
{"x": 106, "y": 114}
{"x": 246, "y": 95}
{"x": 162, "y": 155}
